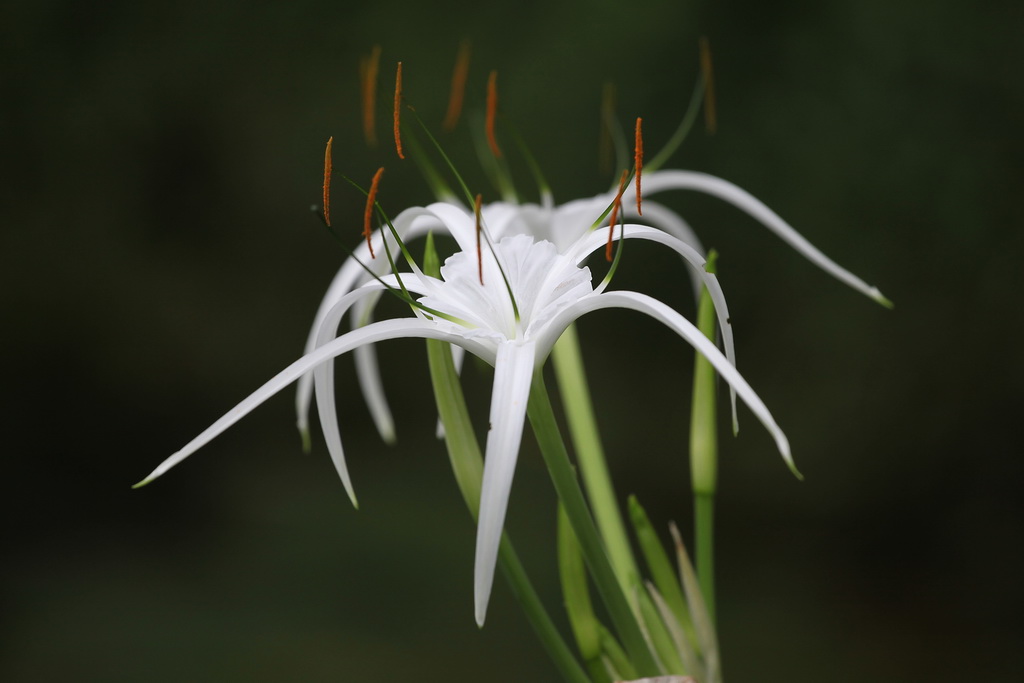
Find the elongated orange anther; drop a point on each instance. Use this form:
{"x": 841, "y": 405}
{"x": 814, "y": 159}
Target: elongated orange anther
{"x": 638, "y": 160}
{"x": 710, "y": 122}
{"x": 458, "y": 93}
{"x": 479, "y": 252}
{"x": 371, "y": 200}
{"x": 398, "y": 108}
{"x": 616, "y": 207}
{"x": 492, "y": 112}
{"x": 327, "y": 182}
{"x": 368, "y": 67}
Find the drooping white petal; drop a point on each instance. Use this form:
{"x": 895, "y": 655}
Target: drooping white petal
{"x": 371, "y": 334}
{"x": 513, "y": 374}
{"x": 409, "y": 224}
{"x": 685, "y": 329}
{"x": 743, "y": 200}
{"x": 323, "y": 375}
{"x": 666, "y": 219}
{"x": 372, "y": 386}
{"x": 596, "y": 240}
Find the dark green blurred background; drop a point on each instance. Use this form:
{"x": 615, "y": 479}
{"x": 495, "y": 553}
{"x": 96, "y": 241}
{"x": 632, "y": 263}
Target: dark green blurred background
{"x": 159, "y": 262}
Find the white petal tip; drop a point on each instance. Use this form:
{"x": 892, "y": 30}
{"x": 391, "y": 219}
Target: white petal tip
{"x": 351, "y": 493}
{"x": 480, "y": 616}
{"x": 881, "y": 298}
{"x": 142, "y": 483}
{"x": 792, "y": 466}
{"x": 307, "y": 441}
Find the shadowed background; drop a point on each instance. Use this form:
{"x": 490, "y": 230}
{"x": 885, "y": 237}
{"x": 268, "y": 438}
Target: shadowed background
{"x": 159, "y": 262}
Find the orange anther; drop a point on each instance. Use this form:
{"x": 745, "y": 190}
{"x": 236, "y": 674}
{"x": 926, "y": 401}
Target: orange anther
{"x": 368, "y": 67}
{"x": 616, "y": 207}
{"x": 459, "y": 73}
{"x": 327, "y": 182}
{"x": 479, "y": 252}
{"x": 492, "y": 112}
{"x": 710, "y": 122}
{"x": 371, "y": 200}
{"x": 398, "y": 108}
{"x": 638, "y": 160}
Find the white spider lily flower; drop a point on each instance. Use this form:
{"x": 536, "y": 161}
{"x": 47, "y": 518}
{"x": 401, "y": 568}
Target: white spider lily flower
{"x": 566, "y": 226}
{"x": 511, "y": 318}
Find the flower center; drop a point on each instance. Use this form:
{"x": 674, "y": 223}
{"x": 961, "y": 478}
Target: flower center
{"x": 542, "y": 281}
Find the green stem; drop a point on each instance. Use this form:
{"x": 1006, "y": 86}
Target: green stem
{"x": 563, "y": 476}
{"x": 704, "y": 451}
{"x": 704, "y": 523}
{"x": 579, "y": 412}
{"x": 578, "y": 607}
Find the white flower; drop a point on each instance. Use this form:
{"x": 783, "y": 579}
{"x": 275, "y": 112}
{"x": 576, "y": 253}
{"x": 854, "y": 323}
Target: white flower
{"x": 570, "y": 227}
{"x": 530, "y": 292}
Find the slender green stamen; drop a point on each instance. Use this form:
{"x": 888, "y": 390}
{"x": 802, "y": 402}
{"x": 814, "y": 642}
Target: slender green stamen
{"x": 470, "y": 199}
{"x": 531, "y": 163}
{"x": 674, "y": 142}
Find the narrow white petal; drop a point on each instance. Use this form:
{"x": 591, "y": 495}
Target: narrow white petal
{"x": 458, "y": 222}
{"x": 685, "y": 329}
{"x": 409, "y": 224}
{"x": 372, "y": 386}
{"x": 513, "y": 373}
{"x": 743, "y": 200}
{"x": 666, "y": 219}
{"x": 595, "y": 240}
{"x": 323, "y": 374}
{"x": 347, "y": 278}
{"x": 388, "y": 329}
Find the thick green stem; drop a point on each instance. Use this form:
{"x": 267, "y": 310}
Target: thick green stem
{"x": 704, "y": 451}
{"x": 579, "y": 412}
{"x": 704, "y": 523}
{"x": 542, "y": 419}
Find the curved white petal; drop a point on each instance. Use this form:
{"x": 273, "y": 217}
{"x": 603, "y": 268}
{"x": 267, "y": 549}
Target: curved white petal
{"x": 372, "y": 386}
{"x": 661, "y": 217}
{"x": 409, "y": 224}
{"x": 664, "y": 218}
{"x": 595, "y": 240}
{"x": 513, "y": 374}
{"x": 371, "y": 334}
{"x": 323, "y": 375}
{"x": 743, "y": 200}
{"x": 685, "y": 329}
